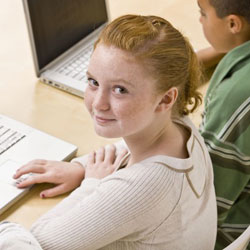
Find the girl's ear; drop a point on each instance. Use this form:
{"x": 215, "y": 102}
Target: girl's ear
{"x": 168, "y": 100}
{"x": 235, "y": 24}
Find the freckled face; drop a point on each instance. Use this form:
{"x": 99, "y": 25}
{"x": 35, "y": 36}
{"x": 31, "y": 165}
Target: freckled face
{"x": 120, "y": 96}
{"x": 215, "y": 29}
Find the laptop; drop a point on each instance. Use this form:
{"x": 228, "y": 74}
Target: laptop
{"x": 62, "y": 34}
{"x": 20, "y": 144}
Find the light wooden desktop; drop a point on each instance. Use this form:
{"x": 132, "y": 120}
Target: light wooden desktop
{"x": 51, "y": 110}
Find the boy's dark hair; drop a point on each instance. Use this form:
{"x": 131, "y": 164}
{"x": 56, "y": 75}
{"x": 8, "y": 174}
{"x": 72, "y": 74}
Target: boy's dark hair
{"x": 227, "y": 7}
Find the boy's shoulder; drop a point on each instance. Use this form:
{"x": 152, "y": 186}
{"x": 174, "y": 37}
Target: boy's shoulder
{"x": 229, "y": 87}
{"x": 240, "y": 55}
{"x": 234, "y": 66}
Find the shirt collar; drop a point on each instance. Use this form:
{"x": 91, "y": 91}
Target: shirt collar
{"x": 231, "y": 61}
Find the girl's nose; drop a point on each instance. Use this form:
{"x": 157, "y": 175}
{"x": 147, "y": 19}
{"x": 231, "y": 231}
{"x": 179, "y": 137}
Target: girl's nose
{"x": 101, "y": 100}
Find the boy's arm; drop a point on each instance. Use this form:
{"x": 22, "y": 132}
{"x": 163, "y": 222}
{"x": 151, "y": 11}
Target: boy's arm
{"x": 209, "y": 57}
{"x": 231, "y": 188}
{"x": 231, "y": 164}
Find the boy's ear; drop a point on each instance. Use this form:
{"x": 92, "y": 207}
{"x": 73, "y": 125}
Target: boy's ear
{"x": 234, "y": 24}
{"x": 168, "y": 99}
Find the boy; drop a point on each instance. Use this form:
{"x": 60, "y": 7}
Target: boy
{"x": 225, "y": 126}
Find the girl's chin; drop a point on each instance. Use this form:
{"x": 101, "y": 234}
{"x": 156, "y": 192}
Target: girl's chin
{"x": 106, "y": 133}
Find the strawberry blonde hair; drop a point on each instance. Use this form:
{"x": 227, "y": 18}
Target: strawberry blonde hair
{"x": 163, "y": 49}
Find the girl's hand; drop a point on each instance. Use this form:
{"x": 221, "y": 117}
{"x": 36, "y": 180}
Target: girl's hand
{"x": 67, "y": 176}
{"x": 103, "y": 162}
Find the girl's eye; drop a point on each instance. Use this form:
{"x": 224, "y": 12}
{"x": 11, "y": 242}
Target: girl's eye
{"x": 120, "y": 90}
{"x": 202, "y": 13}
{"x": 92, "y": 82}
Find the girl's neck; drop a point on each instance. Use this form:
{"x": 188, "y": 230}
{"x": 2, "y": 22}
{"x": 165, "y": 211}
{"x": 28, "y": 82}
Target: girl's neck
{"x": 170, "y": 140}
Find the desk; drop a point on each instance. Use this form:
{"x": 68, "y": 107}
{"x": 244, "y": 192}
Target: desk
{"x": 51, "y": 110}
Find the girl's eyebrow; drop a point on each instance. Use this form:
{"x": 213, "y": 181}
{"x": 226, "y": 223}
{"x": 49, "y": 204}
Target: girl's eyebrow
{"x": 87, "y": 73}
{"x": 199, "y": 5}
{"x": 122, "y": 80}
{"x": 113, "y": 80}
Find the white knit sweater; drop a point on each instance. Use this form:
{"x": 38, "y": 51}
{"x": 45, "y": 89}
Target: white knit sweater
{"x": 158, "y": 204}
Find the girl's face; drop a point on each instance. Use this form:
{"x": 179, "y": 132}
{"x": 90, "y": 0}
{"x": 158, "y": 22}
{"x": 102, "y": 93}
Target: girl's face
{"x": 121, "y": 95}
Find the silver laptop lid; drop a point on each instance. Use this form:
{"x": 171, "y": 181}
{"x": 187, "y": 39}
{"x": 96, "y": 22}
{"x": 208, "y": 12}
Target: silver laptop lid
{"x": 57, "y": 26}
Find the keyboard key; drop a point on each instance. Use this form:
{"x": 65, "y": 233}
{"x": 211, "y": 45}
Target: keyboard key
{"x": 77, "y": 67}
{"x": 8, "y": 138}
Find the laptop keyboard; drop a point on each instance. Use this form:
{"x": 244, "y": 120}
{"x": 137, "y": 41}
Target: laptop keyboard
{"x": 8, "y": 138}
{"x": 77, "y": 66}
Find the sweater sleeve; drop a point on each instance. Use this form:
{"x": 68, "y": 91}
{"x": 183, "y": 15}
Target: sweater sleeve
{"x": 87, "y": 187}
{"x": 14, "y": 236}
{"x": 125, "y": 202}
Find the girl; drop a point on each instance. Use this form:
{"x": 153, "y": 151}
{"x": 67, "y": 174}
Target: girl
{"x": 142, "y": 81}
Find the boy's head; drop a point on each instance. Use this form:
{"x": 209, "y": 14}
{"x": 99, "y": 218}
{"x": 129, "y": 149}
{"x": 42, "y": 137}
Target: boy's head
{"x": 226, "y": 23}
{"x": 225, "y": 8}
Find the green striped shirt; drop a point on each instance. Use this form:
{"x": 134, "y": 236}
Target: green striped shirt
{"x": 225, "y": 128}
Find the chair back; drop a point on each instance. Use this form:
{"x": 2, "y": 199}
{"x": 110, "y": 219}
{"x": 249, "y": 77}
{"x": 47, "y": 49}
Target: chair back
{"x": 241, "y": 242}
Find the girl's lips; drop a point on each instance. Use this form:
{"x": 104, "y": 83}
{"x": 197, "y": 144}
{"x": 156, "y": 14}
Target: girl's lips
{"x": 100, "y": 119}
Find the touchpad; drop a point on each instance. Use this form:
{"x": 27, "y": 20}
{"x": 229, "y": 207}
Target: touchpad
{"x": 7, "y": 170}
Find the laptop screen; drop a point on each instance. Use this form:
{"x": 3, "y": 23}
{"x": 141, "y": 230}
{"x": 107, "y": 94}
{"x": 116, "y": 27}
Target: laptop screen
{"x": 59, "y": 24}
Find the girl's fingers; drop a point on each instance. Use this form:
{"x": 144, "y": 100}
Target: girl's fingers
{"x": 120, "y": 156}
{"x": 100, "y": 154}
{"x": 32, "y": 179}
{"x": 48, "y": 177}
{"x": 36, "y": 166}
{"x": 57, "y": 190}
{"x": 110, "y": 154}
{"x": 91, "y": 158}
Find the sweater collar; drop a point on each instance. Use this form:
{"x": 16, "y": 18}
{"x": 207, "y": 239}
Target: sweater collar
{"x": 193, "y": 167}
